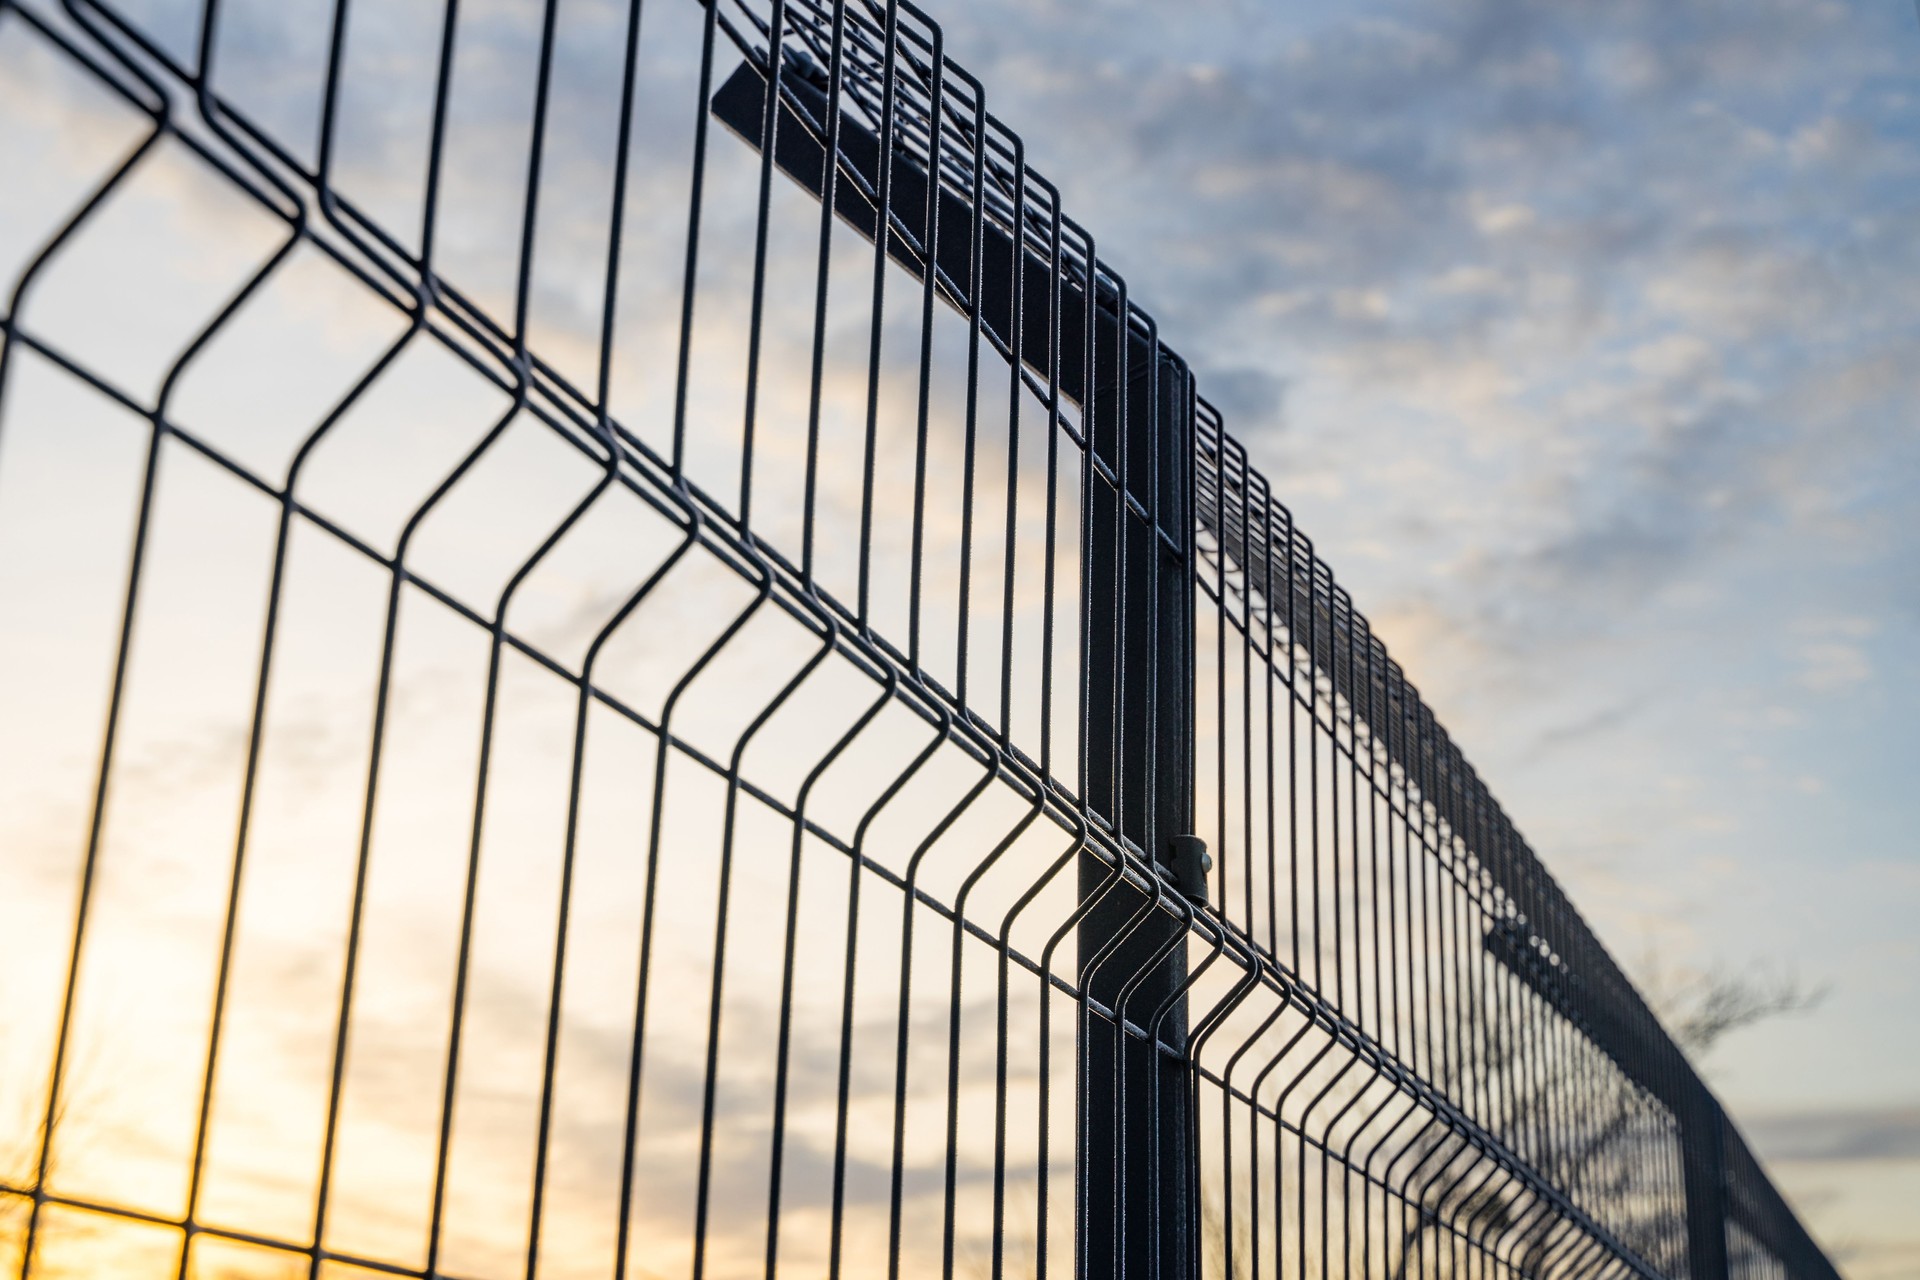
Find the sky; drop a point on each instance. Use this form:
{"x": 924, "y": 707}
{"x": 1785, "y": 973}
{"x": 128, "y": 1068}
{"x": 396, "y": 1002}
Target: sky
{"x": 1581, "y": 339}
{"x": 1576, "y": 336}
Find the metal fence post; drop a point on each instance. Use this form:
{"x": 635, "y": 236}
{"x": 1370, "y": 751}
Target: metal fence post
{"x": 1137, "y": 1172}
{"x": 1703, "y": 1159}
{"x": 1138, "y": 1195}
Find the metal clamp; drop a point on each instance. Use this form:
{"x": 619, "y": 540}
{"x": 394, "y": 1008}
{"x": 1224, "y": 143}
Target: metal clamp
{"x": 1190, "y": 862}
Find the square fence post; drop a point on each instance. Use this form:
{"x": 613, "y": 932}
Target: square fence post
{"x": 1703, "y": 1164}
{"x": 1139, "y": 1203}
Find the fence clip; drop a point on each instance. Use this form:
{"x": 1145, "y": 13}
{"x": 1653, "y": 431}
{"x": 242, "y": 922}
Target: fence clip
{"x": 1191, "y": 862}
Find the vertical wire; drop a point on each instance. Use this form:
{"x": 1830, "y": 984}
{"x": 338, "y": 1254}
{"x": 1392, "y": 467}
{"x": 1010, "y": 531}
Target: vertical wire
{"x": 1056, "y": 364}
{"x": 956, "y": 963}
{"x": 923, "y": 409}
{"x": 1015, "y": 366}
{"x": 636, "y": 1062}
{"x": 1050, "y": 546}
{"x": 1129, "y": 794}
{"x": 575, "y": 779}
{"x": 256, "y": 734}
{"x": 696, "y": 194}
{"x": 469, "y": 899}
{"x": 709, "y": 1099}
{"x": 1018, "y": 260}
{"x": 904, "y": 1015}
{"x": 609, "y": 307}
{"x": 1359, "y": 719}
{"x": 976, "y": 253}
{"x": 1239, "y": 544}
{"x": 116, "y": 695}
{"x": 1090, "y": 495}
{"x": 1342, "y": 841}
{"x": 384, "y": 685}
{"x": 784, "y": 1036}
{"x": 882, "y": 233}
{"x": 1395, "y": 866}
{"x": 1081, "y": 846}
{"x": 1257, "y": 499}
{"x": 1222, "y": 623}
{"x": 495, "y": 655}
{"x": 257, "y": 726}
{"x": 829, "y": 196}
{"x": 1067, "y": 858}
{"x": 1248, "y": 670}
{"x": 843, "y": 1077}
{"x": 159, "y": 114}
{"x": 769, "y": 139}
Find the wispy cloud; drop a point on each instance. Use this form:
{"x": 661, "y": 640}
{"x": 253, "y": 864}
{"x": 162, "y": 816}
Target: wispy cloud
{"x": 1887, "y": 1133}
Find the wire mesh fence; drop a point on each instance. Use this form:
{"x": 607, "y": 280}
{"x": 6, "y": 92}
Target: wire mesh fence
{"x": 624, "y": 656}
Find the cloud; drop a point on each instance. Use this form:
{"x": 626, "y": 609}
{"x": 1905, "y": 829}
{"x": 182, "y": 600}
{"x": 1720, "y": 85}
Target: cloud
{"x": 1831, "y": 665}
{"x": 1604, "y": 720}
{"x": 1887, "y": 1133}
{"x": 1569, "y": 235}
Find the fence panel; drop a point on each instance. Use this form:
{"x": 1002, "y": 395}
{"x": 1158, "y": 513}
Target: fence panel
{"x": 624, "y": 656}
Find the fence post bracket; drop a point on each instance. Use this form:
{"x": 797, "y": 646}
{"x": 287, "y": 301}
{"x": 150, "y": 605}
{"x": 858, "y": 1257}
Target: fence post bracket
{"x": 1191, "y": 862}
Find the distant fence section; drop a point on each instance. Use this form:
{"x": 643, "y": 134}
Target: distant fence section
{"x": 622, "y": 655}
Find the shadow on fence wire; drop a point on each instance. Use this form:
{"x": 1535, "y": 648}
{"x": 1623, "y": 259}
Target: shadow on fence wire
{"x": 590, "y": 693}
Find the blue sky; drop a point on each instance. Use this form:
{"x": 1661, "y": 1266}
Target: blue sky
{"x": 1582, "y": 340}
